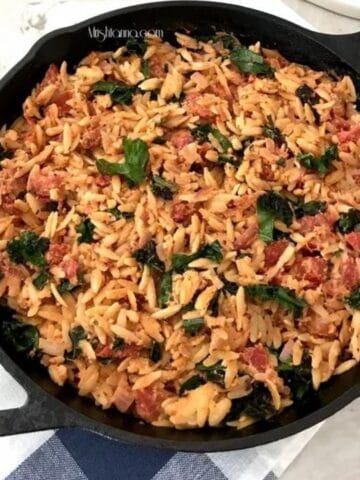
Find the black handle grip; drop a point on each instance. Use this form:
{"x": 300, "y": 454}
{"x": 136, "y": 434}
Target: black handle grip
{"x": 40, "y": 412}
{"x": 347, "y": 47}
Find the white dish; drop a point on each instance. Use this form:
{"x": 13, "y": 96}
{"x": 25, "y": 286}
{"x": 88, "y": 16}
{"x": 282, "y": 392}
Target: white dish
{"x": 350, "y": 8}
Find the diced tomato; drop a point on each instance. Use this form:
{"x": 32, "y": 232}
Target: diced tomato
{"x": 60, "y": 101}
{"x": 103, "y": 180}
{"x": 195, "y": 108}
{"x": 181, "y": 212}
{"x": 91, "y": 136}
{"x": 156, "y": 66}
{"x": 266, "y": 172}
{"x": 181, "y": 138}
{"x": 312, "y": 269}
{"x": 245, "y": 239}
{"x": 349, "y": 273}
{"x": 70, "y": 267}
{"x": 56, "y": 253}
{"x": 104, "y": 351}
{"x": 255, "y": 357}
{"x": 50, "y": 77}
{"x": 351, "y": 135}
{"x": 353, "y": 239}
{"x": 273, "y": 252}
{"x": 148, "y": 402}
{"x": 308, "y": 223}
{"x": 128, "y": 350}
{"x": 44, "y": 181}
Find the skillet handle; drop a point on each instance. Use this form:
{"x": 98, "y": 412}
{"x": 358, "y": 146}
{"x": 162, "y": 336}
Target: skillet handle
{"x": 347, "y": 47}
{"x": 40, "y": 412}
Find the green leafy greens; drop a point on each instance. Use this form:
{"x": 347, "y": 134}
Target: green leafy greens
{"x": 119, "y": 92}
{"x": 76, "y": 334}
{"x": 309, "y": 208}
{"x": 28, "y": 248}
{"x": 41, "y": 280}
{"x": 201, "y": 134}
{"x": 285, "y": 297}
{"x": 193, "y": 326}
{"x": 163, "y": 188}
{"x": 354, "y": 299}
{"x": 86, "y": 230}
{"x": 349, "y": 221}
{"x": 118, "y": 214}
{"x": 136, "y": 160}
{"x": 270, "y": 207}
{"x": 165, "y": 289}
{"x": 212, "y": 251}
{"x": 273, "y": 132}
{"x": 257, "y": 404}
{"x": 147, "y": 256}
{"x": 192, "y": 383}
{"x": 22, "y": 337}
{"x": 213, "y": 373}
{"x": 155, "y": 353}
{"x": 320, "y": 164}
{"x": 249, "y": 62}
{"x": 297, "y": 378}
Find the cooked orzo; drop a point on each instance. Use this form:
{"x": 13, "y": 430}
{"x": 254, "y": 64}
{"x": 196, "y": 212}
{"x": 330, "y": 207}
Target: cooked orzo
{"x": 180, "y": 230}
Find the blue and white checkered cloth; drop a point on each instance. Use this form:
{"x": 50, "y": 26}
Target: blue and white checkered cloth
{"x": 73, "y": 454}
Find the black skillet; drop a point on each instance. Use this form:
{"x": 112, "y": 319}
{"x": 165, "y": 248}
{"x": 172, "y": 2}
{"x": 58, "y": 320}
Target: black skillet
{"x": 49, "y": 406}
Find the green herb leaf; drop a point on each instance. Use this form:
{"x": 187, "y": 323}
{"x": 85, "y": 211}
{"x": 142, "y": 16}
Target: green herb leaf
{"x": 257, "y": 404}
{"x": 228, "y": 41}
{"x": 249, "y": 62}
{"x": 65, "y": 286}
{"x": 28, "y": 248}
{"x": 136, "y": 46}
{"x": 136, "y": 160}
{"x": 224, "y": 142}
{"x": 201, "y": 133}
{"x": 354, "y": 299}
{"x": 148, "y": 256}
{"x": 193, "y": 326}
{"x": 117, "y": 214}
{"x": 270, "y": 207}
{"x": 214, "y": 373}
{"x": 191, "y": 384}
{"x": 307, "y": 95}
{"x": 223, "y": 159}
{"x": 320, "y": 164}
{"x": 297, "y": 378}
{"x": 86, "y": 230}
{"x": 145, "y": 69}
{"x": 163, "y": 188}
{"x": 349, "y": 221}
{"x": 76, "y": 334}
{"x": 165, "y": 289}
{"x": 41, "y": 280}
{"x": 310, "y": 208}
{"x": 212, "y": 251}
{"x": 119, "y": 92}
{"x": 273, "y": 132}
{"x": 155, "y": 353}
{"x": 285, "y": 297}
{"x": 23, "y": 337}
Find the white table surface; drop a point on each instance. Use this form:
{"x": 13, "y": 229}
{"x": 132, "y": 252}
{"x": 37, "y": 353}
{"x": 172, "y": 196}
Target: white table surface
{"x": 333, "y": 453}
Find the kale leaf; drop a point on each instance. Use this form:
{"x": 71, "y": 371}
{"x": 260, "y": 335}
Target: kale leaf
{"x": 309, "y": 208}
{"x": 201, "y": 134}
{"x": 223, "y": 159}
{"x": 193, "y": 326}
{"x": 147, "y": 256}
{"x": 136, "y": 160}
{"x": 273, "y": 132}
{"x": 22, "y": 337}
{"x": 297, "y": 378}
{"x": 257, "y": 404}
{"x": 270, "y": 207}
{"x": 165, "y": 289}
{"x": 354, "y": 299}
{"x": 163, "y": 188}
{"x": 133, "y": 45}
{"x": 320, "y": 164}
{"x": 118, "y": 214}
{"x": 41, "y": 280}
{"x": 210, "y": 251}
{"x": 86, "y": 230}
{"x": 285, "y": 297}
{"x": 28, "y": 248}
{"x": 119, "y": 92}
{"x": 249, "y": 62}
{"x": 307, "y": 95}
{"x": 145, "y": 69}
{"x": 349, "y": 221}
{"x": 223, "y": 141}
{"x": 65, "y": 286}
{"x": 76, "y": 334}
{"x": 191, "y": 383}
{"x": 155, "y": 353}
{"x": 214, "y": 373}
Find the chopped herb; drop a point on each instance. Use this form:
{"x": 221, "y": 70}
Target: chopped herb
{"x": 285, "y": 297}
{"x": 86, "y": 230}
{"x": 65, "y": 286}
{"x": 192, "y": 383}
{"x": 228, "y": 41}
{"x": 159, "y": 140}
{"x": 257, "y": 404}
{"x": 28, "y": 248}
{"x": 273, "y": 132}
{"x": 136, "y": 46}
{"x": 41, "y": 280}
{"x": 165, "y": 289}
{"x": 249, "y": 62}
{"x": 270, "y": 207}
{"x": 307, "y": 95}
{"x": 119, "y": 92}
{"x": 193, "y": 326}
{"x": 136, "y": 160}
{"x": 163, "y": 188}
{"x": 201, "y": 133}
{"x": 118, "y": 344}
{"x": 117, "y": 214}
{"x": 354, "y": 299}
{"x": 349, "y": 221}
{"x": 188, "y": 307}
{"x": 310, "y": 208}
{"x": 155, "y": 353}
{"x": 223, "y": 159}
{"x": 145, "y": 69}
{"x": 23, "y": 337}
{"x": 320, "y": 164}
{"x": 214, "y": 373}
{"x": 225, "y": 144}
{"x": 76, "y": 334}
{"x": 147, "y": 256}
{"x": 297, "y": 378}
{"x": 281, "y": 162}
{"x": 210, "y": 251}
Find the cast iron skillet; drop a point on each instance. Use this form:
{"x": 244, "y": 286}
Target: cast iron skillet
{"x": 49, "y": 406}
